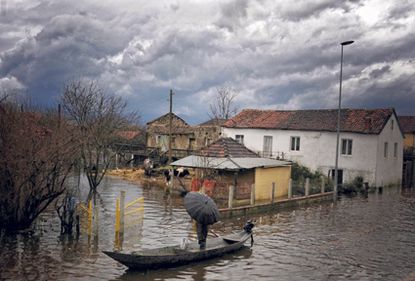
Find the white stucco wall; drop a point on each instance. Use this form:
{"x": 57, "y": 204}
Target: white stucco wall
{"x": 318, "y": 150}
{"x": 389, "y": 169}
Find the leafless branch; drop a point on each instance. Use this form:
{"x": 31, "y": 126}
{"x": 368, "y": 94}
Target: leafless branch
{"x": 97, "y": 118}
{"x": 223, "y": 106}
{"x": 36, "y": 156}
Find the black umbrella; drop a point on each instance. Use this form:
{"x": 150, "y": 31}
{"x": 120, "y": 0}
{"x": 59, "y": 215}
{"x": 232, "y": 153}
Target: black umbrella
{"x": 201, "y": 208}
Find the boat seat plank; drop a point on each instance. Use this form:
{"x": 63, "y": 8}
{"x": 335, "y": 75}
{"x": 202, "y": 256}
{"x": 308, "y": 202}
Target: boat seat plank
{"x": 231, "y": 240}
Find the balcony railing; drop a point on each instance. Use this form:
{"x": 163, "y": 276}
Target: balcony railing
{"x": 279, "y": 155}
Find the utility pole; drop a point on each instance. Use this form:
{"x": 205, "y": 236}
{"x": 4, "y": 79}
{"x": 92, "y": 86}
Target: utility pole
{"x": 336, "y": 165}
{"x": 170, "y": 124}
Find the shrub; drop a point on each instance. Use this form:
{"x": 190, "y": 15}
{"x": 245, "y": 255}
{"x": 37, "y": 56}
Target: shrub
{"x": 353, "y": 187}
{"x": 299, "y": 174}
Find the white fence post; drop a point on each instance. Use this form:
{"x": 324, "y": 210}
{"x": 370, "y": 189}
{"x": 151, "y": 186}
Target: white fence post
{"x": 122, "y": 211}
{"x": 273, "y": 192}
{"x": 307, "y": 187}
{"x": 230, "y": 199}
{"x": 253, "y": 195}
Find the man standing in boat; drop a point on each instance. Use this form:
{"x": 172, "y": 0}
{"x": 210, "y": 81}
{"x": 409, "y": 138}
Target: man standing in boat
{"x": 204, "y": 211}
{"x": 202, "y": 231}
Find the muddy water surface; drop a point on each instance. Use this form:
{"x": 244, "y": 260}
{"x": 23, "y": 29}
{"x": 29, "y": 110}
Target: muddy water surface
{"x": 356, "y": 239}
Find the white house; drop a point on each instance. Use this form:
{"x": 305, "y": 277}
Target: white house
{"x": 370, "y": 140}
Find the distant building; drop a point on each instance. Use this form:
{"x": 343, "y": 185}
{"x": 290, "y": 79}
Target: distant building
{"x": 207, "y": 132}
{"x": 371, "y": 141}
{"x": 130, "y": 147}
{"x": 158, "y": 133}
{"x": 185, "y": 138}
{"x": 408, "y": 128}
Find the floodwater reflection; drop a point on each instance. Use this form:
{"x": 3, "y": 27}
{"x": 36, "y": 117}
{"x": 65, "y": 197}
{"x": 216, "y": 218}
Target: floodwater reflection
{"x": 195, "y": 271}
{"x": 356, "y": 239}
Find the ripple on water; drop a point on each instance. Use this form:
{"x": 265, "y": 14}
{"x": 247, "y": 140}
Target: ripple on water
{"x": 356, "y": 239}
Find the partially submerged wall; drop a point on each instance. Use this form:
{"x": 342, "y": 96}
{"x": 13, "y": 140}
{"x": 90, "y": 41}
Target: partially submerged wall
{"x": 264, "y": 177}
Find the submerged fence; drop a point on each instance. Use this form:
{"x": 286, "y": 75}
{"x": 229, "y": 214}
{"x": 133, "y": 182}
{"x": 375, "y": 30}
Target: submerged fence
{"x": 127, "y": 216}
{"x": 247, "y": 194}
{"x": 85, "y": 217}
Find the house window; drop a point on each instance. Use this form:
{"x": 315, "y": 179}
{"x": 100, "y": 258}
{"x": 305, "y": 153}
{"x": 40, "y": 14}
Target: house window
{"x": 239, "y": 138}
{"x": 385, "y": 150}
{"x": 267, "y": 148}
{"x": 395, "y": 150}
{"x": 347, "y": 146}
{"x": 392, "y": 125}
{"x": 295, "y": 143}
{"x": 158, "y": 139}
{"x": 192, "y": 143}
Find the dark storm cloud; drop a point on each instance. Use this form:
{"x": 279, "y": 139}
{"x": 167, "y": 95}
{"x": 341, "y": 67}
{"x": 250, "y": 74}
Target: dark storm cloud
{"x": 68, "y": 46}
{"x": 398, "y": 94}
{"x": 403, "y": 10}
{"x": 300, "y": 10}
{"x": 233, "y": 14}
{"x": 379, "y": 72}
{"x": 276, "y": 54}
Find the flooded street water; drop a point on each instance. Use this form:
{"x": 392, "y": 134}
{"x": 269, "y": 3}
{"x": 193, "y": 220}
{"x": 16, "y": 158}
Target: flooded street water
{"x": 356, "y": 239}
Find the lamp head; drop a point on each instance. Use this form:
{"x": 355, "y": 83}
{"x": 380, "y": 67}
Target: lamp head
{"x": 346, "y": 43}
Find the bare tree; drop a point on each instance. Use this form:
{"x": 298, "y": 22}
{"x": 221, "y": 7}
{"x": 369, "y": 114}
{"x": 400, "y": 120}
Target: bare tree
{"x": 97, "y": 119}
{"x": 223, "y": 106}
{"x": 3, "y": 98}
{"x": 36, "y": 157}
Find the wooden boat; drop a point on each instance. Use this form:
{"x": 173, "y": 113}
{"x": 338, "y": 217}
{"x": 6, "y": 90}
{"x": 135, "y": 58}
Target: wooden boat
{"x": 176, "y": 255}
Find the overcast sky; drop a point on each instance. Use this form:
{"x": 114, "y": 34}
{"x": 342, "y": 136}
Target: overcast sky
{"x": 277, "y": 54}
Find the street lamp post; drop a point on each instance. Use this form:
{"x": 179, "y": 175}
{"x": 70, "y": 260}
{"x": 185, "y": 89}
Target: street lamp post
{"x": 336, "y": 171}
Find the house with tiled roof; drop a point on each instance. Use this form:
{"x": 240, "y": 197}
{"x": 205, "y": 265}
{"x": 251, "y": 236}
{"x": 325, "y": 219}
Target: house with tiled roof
{"x": 371, "y": 140}
{"x": 185, "y": 138}
{"x": 157, "y": 132}
{"x": 207, "y": 132}
{"x": 408, "y": 128}
{"x": 407, "y": 124}
{"x": 225, "y": 163}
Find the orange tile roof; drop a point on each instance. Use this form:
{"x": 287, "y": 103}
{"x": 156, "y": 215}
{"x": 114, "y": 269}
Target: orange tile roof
{"x": 213, "y": 122}
{"x": 366, "y": 121}
{"x": 227, "y": 147}
{"x": 128, "y": 135}
{"x": 407, "y": 124}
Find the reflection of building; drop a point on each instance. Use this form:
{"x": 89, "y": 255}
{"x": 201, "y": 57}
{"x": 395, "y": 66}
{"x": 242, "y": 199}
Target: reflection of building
{"x": 185, "y": 138}
{"x": 408, "y": 127}
{"x": 226, "y": 162}
{"x": 370, "y": 145}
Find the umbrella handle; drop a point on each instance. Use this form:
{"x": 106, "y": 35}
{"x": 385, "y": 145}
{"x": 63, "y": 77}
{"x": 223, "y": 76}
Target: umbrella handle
{"x": 252, "y": 240}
